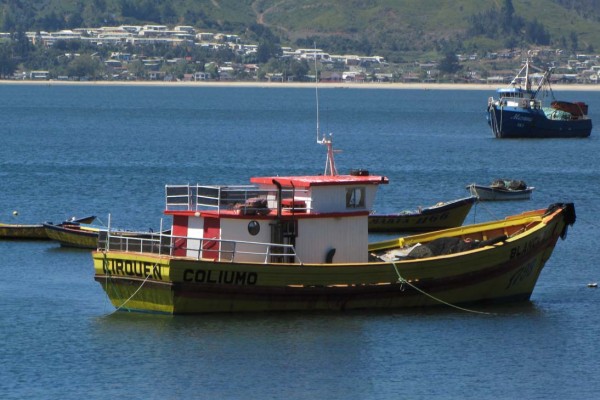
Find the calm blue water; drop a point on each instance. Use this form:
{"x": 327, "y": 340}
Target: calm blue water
{"x": 73, "y": 151}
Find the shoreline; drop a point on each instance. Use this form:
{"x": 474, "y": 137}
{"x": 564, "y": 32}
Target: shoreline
{"x": 287, "y": 85}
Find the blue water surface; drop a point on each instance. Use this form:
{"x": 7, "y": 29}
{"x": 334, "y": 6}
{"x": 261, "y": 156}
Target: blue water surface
{"x": 109, "y": 150}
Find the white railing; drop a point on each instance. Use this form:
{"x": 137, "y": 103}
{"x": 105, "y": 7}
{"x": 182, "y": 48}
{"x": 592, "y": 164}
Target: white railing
{"x": 240, "y": 197}
{"x": 169, "y": 245}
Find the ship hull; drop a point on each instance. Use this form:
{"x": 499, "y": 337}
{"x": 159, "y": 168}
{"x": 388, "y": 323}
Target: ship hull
{"x": 516, "y": 123}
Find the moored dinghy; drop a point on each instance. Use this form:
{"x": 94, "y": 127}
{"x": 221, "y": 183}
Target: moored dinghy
{"x": 32, "y": 231}
{"x": 501, "y": 189}
{"x": 23, "y": 231}
{"x": 442, "y": 215}
{"x": 80, "y": 233}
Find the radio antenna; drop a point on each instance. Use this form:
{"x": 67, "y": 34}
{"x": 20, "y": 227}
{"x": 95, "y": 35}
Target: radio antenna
{"x": 327, "y": 141}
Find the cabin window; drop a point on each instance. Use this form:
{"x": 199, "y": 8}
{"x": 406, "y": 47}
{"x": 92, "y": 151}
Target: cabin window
{"x": 355, "y": 197}
{"x": 253, "y": 228}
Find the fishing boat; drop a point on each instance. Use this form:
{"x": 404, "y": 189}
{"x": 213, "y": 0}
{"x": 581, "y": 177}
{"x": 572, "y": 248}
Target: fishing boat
{"x": 518, "y": 111}
{"x": 23, "y": 231}
{"x": 34, "y": 231}
{"x": 442, "y": 215}
{"x": 75, "y": 233}
{"x": 85, "y": 234}
{"x": 501, "y": 189}
{"x": 302, "y": 243}
{"x": 285, "y": 243}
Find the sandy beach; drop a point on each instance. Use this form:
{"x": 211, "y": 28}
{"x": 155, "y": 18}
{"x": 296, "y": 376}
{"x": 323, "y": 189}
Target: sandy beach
{"x": 322, "y": 85}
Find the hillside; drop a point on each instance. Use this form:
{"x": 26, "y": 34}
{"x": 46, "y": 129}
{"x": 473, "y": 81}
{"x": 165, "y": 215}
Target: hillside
{"x": 391, "y": 28}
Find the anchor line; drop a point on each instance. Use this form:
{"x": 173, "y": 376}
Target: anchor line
{"x": 106, "y": 275}
{"x": 403, "y": 281}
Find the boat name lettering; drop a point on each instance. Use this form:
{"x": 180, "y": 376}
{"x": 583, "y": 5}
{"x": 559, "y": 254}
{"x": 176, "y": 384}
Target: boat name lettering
{"x": 223, "y": 277}
{"x": 521, "y": 274}
{"x": 522, "y": 118}
{"x": 517, "y": 251}
{"x": 407, "y": 219}
{"x": 132, "y": 268}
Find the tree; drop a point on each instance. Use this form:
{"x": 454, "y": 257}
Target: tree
{"x": 449, "y": 64}
{"x": 574, "y": 41}
{"x": 85, "y": 66}
{"x": 169, "y": 15}
{"x": 298, "y": 69}
{"x": 508, "y": 10}
{"x": 213, "y": 70}
{"x": 267, "y": 50}
{"x": 21, "y": 46}
{"x": 8, "y": 65}
{"x": 136, "y": 69}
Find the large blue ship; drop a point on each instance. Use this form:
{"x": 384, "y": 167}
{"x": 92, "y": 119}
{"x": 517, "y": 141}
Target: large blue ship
{"x": 518, "y": 113}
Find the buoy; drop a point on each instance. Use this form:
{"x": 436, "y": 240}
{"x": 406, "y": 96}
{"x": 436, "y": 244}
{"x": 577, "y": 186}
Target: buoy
{"x": 15, "y": 212}
{"x": 593, "y": 284}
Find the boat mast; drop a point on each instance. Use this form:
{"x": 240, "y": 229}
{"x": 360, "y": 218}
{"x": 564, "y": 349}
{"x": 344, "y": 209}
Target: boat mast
{"x": 527, "y": 82}
{"x": 328, "y": 141}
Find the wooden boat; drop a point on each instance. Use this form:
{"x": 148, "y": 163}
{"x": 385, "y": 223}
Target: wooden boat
{"x": 442, "y": 215}
{"x": 501, "y": 189}
{"x": 85, "y": 235}
{"x": 301, "y": 243}
{"x": 519, "y": 113}
{"x": 69, "y": 234}
{"x": 33, "y": 231}
{"x": 23, "y": 231}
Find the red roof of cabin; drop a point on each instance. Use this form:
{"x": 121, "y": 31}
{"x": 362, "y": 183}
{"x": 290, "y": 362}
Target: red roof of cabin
{"x": 320, "y": 180}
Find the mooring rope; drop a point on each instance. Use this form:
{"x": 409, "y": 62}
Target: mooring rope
{"x": 106, "y": 275}
{"x": 402, "y": 281}
{"x": 106, "y": 282}
{"x": 134, "y": 293}
{"x": 496, "y": 128}
{"x": 483, "y": 205}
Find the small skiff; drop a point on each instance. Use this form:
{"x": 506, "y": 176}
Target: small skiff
{"x": 501, "y": 190}
{"x": 442, "y": 215}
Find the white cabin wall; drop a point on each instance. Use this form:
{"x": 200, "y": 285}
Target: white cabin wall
{"x": 237, "y": 229}
{"x": 318, "y": 235}
{"x": 195, "y": 230}
{"x": 333, "y": 198}
{"x": 325, "y": 199}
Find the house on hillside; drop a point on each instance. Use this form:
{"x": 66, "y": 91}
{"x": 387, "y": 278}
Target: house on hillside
{"x": 330, "y": 76}
{"x": 39, "y": 75}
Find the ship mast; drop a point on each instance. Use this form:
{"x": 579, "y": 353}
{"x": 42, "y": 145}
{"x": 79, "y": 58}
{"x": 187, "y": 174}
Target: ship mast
{"x": 326, "y": 140}
{"x": 527, "y": 82}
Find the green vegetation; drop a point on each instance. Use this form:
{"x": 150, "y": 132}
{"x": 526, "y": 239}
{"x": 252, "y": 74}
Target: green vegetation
{"x": 402, "y": 31}
{"x": 384, "y": 27}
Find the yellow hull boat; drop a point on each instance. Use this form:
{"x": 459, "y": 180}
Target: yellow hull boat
{"x": 490, "y": 262}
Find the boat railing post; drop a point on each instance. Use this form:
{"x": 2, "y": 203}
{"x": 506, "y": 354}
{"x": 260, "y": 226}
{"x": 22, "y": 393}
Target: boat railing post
{"x": 219, "y": 199}
{"x": 267, "y": 253}
{"x": 107, "y": 244}
{"x": 160, "y": 234}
